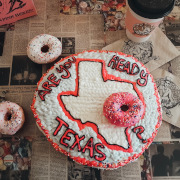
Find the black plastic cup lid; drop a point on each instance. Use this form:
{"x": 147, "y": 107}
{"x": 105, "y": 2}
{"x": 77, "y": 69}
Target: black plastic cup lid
{"x": 151, "y": 9}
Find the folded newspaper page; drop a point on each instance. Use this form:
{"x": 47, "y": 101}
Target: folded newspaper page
{"x": 169, "y": 89}
{"x": 13, "y": 10}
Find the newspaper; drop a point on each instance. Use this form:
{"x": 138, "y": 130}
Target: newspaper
{"x": 19, "y": 76}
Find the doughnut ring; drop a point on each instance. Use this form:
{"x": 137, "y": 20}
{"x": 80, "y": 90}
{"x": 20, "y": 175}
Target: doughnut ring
{"x": 44, "y": 48}
{"x": 123, "y": 109}
{"x": 11, "y": 117}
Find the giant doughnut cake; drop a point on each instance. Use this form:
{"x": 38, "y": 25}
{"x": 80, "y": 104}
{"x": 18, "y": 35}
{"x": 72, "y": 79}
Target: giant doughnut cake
{"x": 68, "y": 107}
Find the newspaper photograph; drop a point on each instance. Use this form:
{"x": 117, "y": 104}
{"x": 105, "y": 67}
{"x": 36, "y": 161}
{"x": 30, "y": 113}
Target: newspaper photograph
{"x": 175, "y": 133}
{"x": 161, "y": 160}
{"x": 24, "y": 71}
{"x": 2, "y": 37}
{"x": 68, "y": 44}
{"x": 173, "y": 32}
{"x": 145, "y": 164}
{"x": 165, "y": 160}
{"x": 6, "y": 58}
{"x": 4, "y": 76}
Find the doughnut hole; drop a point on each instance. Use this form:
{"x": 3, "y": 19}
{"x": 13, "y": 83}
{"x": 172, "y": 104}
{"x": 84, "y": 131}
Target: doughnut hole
{"x": 124, "y": 108}
{"x": 45, "y": 48}
{"x": 8, "y": 116}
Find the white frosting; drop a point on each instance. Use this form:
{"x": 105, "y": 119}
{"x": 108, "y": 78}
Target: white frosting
{"x": 35, "y": 53}
{"x": 11, "y": 117}
{"x": 88, "y": 106}
{"x": 93, "y": 92}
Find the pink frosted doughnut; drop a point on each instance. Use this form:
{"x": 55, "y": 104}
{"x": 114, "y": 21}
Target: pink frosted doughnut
{"x": 11, "y": 117}
{"x": 123, "y": 109}
{"x": 44, "y": 48}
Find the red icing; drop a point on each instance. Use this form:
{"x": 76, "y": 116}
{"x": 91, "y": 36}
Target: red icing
{"x": 66, "y": 136}
{"x": 103, "y": 157}
{"x": 139, "y": 132}
{"x": 90, "y": 124}
{"x": 94, "y": 163}
{"x": 52, "y": 78}
{"x": 61, "y": 69}
{"x": 129, "y": 115}
{"x": 77, "y": 142}
{"x": 89, "y": 146}
{"x": 61, "y": 123}
{"x": 143, "y": 76}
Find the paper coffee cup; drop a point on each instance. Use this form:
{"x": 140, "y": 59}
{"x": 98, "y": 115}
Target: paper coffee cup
{"x": 144, "y": 16}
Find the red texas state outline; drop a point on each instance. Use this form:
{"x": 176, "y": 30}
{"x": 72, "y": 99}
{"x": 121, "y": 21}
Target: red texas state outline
{"x": 81, "y": 125}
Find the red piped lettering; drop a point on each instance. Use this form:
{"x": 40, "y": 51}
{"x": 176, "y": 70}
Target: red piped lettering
{"x": 143, "y": 76}
{"x": 52, "y": 78}
{"x": 103, "y": 156}
{"x": 127, "y": 67}
{"x": 77, "y": 142}
{"x": 66, "y": 137}
{"x": 113, "y": 61}
{"x": 134, "y": 65}
{"x": 119, "y": 64}
{"x": 67, "y": 65}
{"x": 47, "y": 86}
{"x": 63, "y": 69}
{"x": 73, "y": 60}
{"x": 139, "y": 132}
{"x": 61, "y": 123}
{"x": 42, "y": 94}
{"x": 89, "y": 145}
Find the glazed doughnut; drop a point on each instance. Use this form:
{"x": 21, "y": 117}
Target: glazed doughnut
{"x": 44, "y": 48}
{"x": 123, "y": 109}
{"x": 11, "y": 117}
